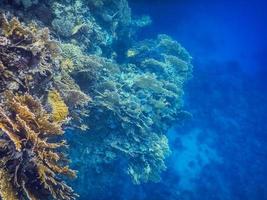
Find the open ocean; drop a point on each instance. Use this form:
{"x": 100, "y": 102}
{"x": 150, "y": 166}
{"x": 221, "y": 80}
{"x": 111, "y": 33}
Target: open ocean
{"x": 221, "y": 154}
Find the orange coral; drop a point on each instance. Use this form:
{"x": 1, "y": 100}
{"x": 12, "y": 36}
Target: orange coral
{"x": 13, "y": 27}
{"x": 31, "y": 130}
{"x": 32, "y": 159}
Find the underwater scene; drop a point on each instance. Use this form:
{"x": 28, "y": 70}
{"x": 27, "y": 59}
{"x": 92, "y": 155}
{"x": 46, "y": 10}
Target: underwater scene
{"x": 133, "y": 100}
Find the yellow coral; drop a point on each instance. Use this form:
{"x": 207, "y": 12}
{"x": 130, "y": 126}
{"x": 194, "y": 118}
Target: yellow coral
{"x": 9, "y": 127}
{"x": 131, "y": 53}
{"x": 13, "y": 27}
{"x": 31, "y": 129}
{"x": 33, "y": 27}
{"x": 7, "y": 191}
{"x": 60, "y": 110}
{"x": 67, "y": 64}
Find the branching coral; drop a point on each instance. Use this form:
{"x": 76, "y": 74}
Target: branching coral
{"x": 29, "y": 60}
{"x": 133, "y": 90}
{"x": 26, "y": 57}
{"x": 32, "y": 160}
{"x": 29, "y": 149}
{"x": 7, "y": 191}
{"x": 133, "y": 106}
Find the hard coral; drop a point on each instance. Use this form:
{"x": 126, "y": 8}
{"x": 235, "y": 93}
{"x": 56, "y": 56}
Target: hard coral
{"x": 7, "y": 191}
{"x": 133, "y": 106}
{"x": 29, "y": 150}
{"x": 59, "y": 108}
{"x": 26, "y": 58}
{"x": 136, "y": 87}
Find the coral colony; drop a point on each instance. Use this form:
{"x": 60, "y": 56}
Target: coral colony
{"x": 77, "y": 66}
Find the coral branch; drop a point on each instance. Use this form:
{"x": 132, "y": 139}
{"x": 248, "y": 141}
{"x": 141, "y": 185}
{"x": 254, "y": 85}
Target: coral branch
{"x": 30, "y": 152}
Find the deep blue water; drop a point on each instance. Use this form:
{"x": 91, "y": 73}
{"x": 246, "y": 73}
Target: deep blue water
{"x": 221, "y": 153}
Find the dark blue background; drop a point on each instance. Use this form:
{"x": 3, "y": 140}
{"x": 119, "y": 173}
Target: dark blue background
{"x": 227, "y": 94}
{"x": 212, "y": 30}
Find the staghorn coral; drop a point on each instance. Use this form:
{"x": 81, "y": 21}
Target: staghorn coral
{"x": 29, "y": 151}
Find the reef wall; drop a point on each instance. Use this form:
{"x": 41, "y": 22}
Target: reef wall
{"x": 90, "y": 76}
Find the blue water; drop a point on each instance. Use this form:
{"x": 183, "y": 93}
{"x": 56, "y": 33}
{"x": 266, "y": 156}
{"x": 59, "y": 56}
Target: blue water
{"x": 221, "y": 153}
{"x": 218, "y": 153}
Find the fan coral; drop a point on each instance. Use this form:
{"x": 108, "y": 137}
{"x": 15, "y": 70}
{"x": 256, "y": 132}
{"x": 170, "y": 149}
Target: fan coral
{"x": 28, "y": 151}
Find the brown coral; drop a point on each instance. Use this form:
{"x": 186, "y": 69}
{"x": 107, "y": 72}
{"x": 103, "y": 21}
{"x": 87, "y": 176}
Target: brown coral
{"x": 27, "y": 56}
{"x": 29, "y": 150}
{"x": 7, "y": 191}
{"x": 32, "y": 161}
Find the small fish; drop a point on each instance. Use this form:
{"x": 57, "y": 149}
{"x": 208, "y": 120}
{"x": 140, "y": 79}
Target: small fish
{"x": 131, "y": 53}
{"x": 77, "y": 28}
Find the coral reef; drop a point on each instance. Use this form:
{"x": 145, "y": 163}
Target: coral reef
{"x": 26, "y": 57}
{"x": 132, "y": 89}
{"x": 7, "y": 190}
{"x": 133, "y": 106}
{"x": 28, "y": 150}
{"x": 98, "y": 26}
{"x": 60, "y": 110}
{"x": 33, "y": 161}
